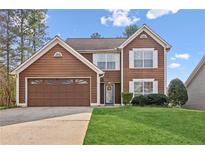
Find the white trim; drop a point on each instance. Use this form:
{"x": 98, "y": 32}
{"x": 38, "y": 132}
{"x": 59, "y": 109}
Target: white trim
{"x": 26, "y": 86}
{"x": 195, "y": 71}
{"x": 98, "y": 50}
{"x": 116, "y": 58}
{"x": 122, "y": 89}
{"x": 154, "y": 83}
{"x": 143, "y": 50}
{"x": 139, "y": 80}
{"x": 50, "y": 45}
{"x": 98, "y": 89}
{"x": 146, "y": 29}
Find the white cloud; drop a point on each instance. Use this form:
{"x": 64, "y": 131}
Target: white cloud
{"x": 173, "y": 58}
{"x": 156, "y": 13}
{"x": 174, "y": 65}
{"x": 119, "y": 18}
{"x": 182, "y": 56}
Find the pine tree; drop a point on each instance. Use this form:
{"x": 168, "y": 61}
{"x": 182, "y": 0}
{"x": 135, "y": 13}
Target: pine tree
{"x": 7, "y": 37}
{"x": 22, "y": 33}
{"x": 37, "y": 19}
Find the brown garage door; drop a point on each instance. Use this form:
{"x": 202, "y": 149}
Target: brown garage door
{"x": 59, "y": 92}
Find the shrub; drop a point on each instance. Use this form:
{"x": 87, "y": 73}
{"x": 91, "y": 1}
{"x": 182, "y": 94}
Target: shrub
{"x": 127, "y": 97}
{"x": 158, "y": 99}
{"x": 177, "y": 92}
{"x": 140, "y": 100}
{"x": 151, "y": 99}
{"x": 7, "y": 88}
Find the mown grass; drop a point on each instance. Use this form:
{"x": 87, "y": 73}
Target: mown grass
{"x": 146, "y": 125}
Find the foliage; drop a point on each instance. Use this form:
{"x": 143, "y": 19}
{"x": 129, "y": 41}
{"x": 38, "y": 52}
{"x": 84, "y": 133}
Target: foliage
{"x": 129, "y": 30}
{"x": 150, "y": 99}
{"x": 140, "y": 100}
{"x": 177, "y": 92}
{"x": 7, "y": 38}
{"x": 37, "y": 26}
{"x": 157, "y": 99}
{"x": 7, "y": 88}
{"x": 127, "y": 97}
{"x": 22, "y": 32}
{"x": 96, "y": 35}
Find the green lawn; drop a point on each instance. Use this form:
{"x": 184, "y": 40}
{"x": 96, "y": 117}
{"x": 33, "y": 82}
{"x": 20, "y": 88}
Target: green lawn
{"x": 146, "y": 125}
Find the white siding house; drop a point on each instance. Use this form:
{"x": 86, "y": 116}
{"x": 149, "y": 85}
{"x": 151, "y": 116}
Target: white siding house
{"x": 196, "y": 87}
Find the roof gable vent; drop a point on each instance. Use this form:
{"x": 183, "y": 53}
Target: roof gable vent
{"x": 57, "y": 54}
{"x": 143, "y": 36}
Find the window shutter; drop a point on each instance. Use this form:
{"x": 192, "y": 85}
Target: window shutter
{"x": 131, "y": 59}
{"x": 155, "y": 59}
{"x": 131, "y": 86}
{"x": 155, "y": 87}
{"x": 117, "y": 60}
{"x": 95, "y": 59}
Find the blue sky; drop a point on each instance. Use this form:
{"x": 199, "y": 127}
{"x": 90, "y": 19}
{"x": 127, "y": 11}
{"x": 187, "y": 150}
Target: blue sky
{"x": 183, "y": 29}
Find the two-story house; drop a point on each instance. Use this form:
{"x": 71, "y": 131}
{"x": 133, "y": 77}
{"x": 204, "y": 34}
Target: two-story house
{"x": 85, "y": 71}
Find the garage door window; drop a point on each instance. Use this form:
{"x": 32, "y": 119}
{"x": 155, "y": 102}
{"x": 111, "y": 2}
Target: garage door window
{"x": 36, "y": 82}
{"x": 50, "y": 82}
{"x": 79, "y": 81}
{"x": 67, "y": 82}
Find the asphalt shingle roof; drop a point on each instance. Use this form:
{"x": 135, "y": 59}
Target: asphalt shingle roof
{"x": 80, "y": 44}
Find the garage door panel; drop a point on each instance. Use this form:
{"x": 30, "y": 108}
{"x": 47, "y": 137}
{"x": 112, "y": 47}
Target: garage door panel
{"x": 59, "y": 92}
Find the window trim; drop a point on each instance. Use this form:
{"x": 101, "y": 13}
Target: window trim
{"x": 116, "y": 60}
{"x": 143, "y": 81}
{"x": 143, "y": 50}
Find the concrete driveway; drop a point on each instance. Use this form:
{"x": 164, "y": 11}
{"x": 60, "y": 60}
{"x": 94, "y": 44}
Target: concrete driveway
{"x": 44, "y": 125}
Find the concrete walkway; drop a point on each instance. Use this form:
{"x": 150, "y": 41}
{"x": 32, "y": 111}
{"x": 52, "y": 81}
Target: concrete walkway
{"x": 54, "y": 125}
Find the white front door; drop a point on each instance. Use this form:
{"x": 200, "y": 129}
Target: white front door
{"x": 109, "y": 93}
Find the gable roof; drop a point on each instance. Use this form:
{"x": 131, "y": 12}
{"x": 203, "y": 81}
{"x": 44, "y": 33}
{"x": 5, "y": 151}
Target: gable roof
{"x": 195, "y": 71}
{"x": 107, "y": 44}
{"x": 151, "y": 33}
{"x": 89, "y": 44}
{"x": 56, "y": 40}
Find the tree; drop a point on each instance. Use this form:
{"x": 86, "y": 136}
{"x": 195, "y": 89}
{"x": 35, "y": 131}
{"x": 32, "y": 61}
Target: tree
{"x": 95, "y": 35}
{"x": 177, "y": 92}
{"x": 129, "y": 30}
{"x": 22, "y": 33}
{"x": 7, "y": 38}
{"x": 37, "y": 19}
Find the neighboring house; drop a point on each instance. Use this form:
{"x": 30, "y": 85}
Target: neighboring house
{"x": 85, "y": 71}
{"x": 196, "y": 87}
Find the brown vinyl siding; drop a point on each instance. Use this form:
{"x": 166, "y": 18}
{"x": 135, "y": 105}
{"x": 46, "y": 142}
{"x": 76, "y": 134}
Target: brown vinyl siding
{"x": 66, "y": 66}
{"x": 111, "y": 76}
{"x": 156, "y": 73}
{"x": 88, "y": 56}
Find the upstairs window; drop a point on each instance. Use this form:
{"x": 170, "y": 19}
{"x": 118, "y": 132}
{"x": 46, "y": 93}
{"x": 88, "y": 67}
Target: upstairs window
{"x": 107, "y": 61}
{"x": 143, "y": 58}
